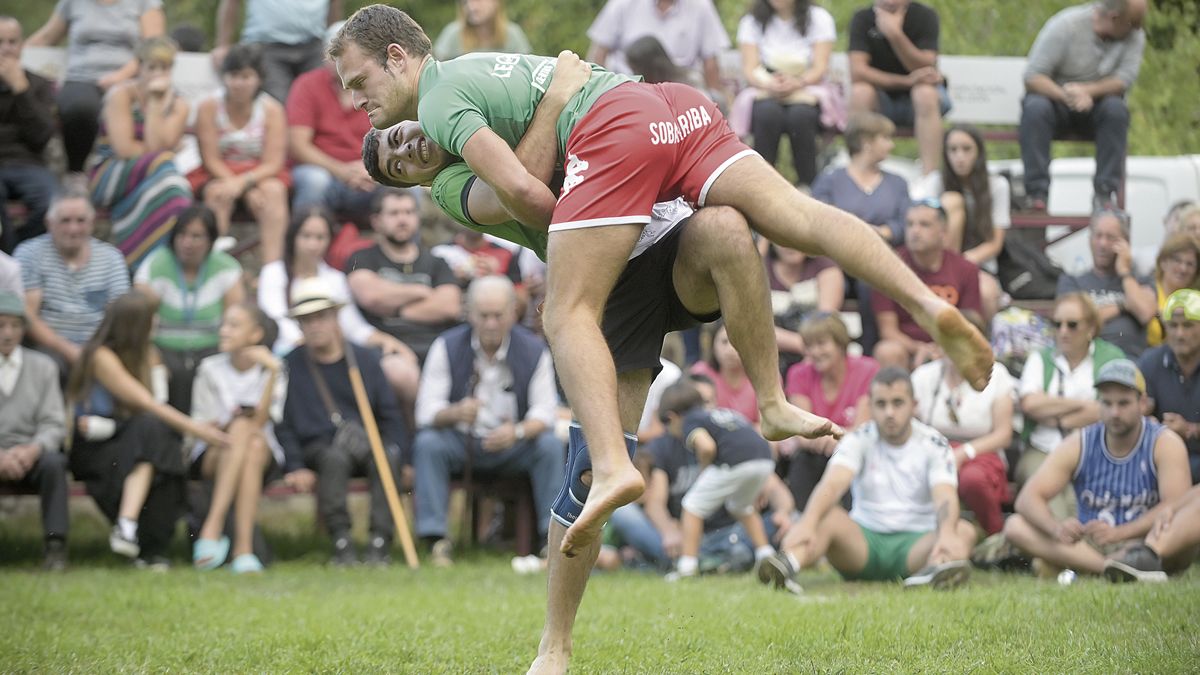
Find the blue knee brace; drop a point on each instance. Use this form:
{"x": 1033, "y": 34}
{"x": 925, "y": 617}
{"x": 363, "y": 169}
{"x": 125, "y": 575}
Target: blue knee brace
{"x": 574, "y": 492}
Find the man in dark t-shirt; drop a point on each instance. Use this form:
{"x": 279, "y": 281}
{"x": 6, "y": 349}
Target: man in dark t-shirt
{"x": 893, "y": 68}
{"x": 401, "y": 288}
{"x": 949, "y": 274}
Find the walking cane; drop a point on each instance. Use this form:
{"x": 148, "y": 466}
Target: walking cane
{"x": 382, "y": 465}
{"x": 468, "y": 470}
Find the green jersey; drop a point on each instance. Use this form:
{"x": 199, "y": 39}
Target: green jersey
{"x": 500, "y": 91}
{"x": 449, "y": 191}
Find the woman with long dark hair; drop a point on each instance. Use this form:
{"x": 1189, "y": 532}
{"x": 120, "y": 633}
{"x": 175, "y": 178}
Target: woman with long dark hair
{"x": 785, "y": 47}
{"x": 123, "y": 446}
{"x": 977, "y": 206}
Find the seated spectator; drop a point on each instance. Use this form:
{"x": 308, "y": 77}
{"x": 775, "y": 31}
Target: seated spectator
{"x": 979, "y": 426}
{"x": 690, "y": 30}
{"x": 905, "y": 521}
{"x": 401, "y": 288}
{"x": 1126, "y": 302}
{"x": 831, "y": 383}
{"x": 241, "y": 392}
{"x": 1172, "y": 544}
{"x": 242, "y": 134}
{"x": 322, "y": 431}
{"x": 893, "y": 67}
{"x": 134, "y": 175}
{"x": 734, "y": 465}
{"x": 123, "y": 445}
{"x": 487, "y": 398}
{"x": 728, "y": 375}
{"x": 947, "y": 272}
{"x": 785, "y": 48}
{"x": 1081, "y": 65}
{"x": 325, "y": 133}
{"x": 32, "y": 428}
{"x": 26, "y": 126}
{"x": 1183, "y": 216}
{"x": 977, "y": 204}
{"x": 1172, "y": 373}
{"x": 801, "y": 285}
{"x": 481, "y": 26}
{"x": 472, "y": 256}
{"x": 1188, "y": 220}
{"x": 69, "y": 278}
{"x": 290, "y": 47}
{"x": 1057, "y": 391}
{"x": 193, "y": 284}
{"x": 1125, "y": 469}
{"x": 864, "y": 189}
{"x": 1177, "y": 267}
{"x": 10, "y": 277}
{"x": 101, "y": 40}
{"x": 648, "y": 58}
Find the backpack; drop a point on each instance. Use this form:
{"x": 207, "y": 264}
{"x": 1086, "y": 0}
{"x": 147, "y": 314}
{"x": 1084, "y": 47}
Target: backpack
{"x": 1024, "y": 270}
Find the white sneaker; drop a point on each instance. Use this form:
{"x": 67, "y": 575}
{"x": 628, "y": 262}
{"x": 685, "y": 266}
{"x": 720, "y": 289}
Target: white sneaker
{"x": 947, "y": 575}
{"x": 122, "y": 545}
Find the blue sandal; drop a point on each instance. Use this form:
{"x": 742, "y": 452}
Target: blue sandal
{"x": 209, "y": 554}
{"x": 246, "y": 563}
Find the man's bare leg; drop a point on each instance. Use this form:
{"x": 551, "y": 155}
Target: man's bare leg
{"x": 789, "y": 218}
{"x": 583, "y": 268}
{"x": 718, "y": 267}
{"x": 567, "y": 577}
{"x": 1079, "y": 556}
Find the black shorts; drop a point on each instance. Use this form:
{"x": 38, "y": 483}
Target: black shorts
{"x": 643, "y": 306}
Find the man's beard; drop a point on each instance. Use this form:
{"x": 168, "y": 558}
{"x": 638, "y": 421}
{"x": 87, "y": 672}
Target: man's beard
{"x": 399, "y": 243}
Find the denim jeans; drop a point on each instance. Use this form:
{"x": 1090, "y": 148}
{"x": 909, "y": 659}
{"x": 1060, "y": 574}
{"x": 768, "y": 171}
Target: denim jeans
{"x": 34, "y": 186}
{"x": 314, "y": 186}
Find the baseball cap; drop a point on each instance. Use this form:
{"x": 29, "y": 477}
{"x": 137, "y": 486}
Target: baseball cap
{"x": 1185, "y": 299}
{"x": 1123, "y": 372}
{"x": 11, "y": 305}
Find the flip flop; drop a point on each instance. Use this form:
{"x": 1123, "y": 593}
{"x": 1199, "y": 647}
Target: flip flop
{"x": 209, "y": 554}
{"x": 246, "y": 563}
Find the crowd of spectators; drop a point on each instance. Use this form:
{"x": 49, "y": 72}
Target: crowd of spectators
{"x": 154, "y": 357}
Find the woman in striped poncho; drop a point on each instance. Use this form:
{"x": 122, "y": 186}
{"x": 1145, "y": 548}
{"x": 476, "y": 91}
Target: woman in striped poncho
{"x": 134, "y": 175}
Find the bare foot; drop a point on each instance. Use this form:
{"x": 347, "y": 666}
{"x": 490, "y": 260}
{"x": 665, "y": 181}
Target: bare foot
{"x": 553, "y": 663}
{"x": 607, "y": 494}
{"x": 785, "y": 420}
{"x": 963, "y": 344}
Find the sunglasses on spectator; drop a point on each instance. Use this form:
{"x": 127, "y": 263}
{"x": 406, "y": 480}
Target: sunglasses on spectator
{"x": 1071, "y": 324}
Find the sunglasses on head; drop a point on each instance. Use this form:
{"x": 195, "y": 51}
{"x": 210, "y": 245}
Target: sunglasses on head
{"x": 1071, "y": 324}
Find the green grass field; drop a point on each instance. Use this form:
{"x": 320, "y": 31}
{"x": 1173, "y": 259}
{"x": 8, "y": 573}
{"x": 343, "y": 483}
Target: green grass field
{"x": 480, "y": 617}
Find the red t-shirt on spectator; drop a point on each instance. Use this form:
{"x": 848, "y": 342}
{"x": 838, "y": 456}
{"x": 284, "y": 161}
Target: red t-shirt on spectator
{"x": 804, "y": 380}
{"x": 742, "y": 399}
{"x": 957, "y": 282}
{"x": 313, "y": 103}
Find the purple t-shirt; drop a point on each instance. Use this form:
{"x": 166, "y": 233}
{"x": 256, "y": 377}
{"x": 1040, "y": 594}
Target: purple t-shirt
{"x": 804, "y": 380}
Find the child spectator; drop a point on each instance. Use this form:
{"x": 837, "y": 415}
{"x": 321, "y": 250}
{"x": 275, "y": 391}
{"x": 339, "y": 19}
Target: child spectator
{"x": 241, "y": 390}
{"x": 193, "y": 285}
{"x": 242, "y": 133}
{"x": 135, "y": 177}
{"x": 123, "y": 447}
{"x": 735, "y": 464}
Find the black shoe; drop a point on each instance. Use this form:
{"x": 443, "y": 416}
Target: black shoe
{"x": 344, "y": 554}
{"x": 944, "y": 576}
{"x": 1032, "y": 204}
{"x": 777, "y": 572}
{"x": 377, "y": 553}
{"x": 55, "y": 559}
{"x": 1104, "y": 202}
{"x": 1136, "y": 563}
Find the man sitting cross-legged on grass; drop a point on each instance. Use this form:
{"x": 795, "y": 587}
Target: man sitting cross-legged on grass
{"x": 904, "y": 523}
{"x": 735, "y": 464}
{"x": 1173, "y": 542}
{"x": 1125, "y": 469}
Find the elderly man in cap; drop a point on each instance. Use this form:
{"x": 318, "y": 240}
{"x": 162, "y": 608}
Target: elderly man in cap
{"x": 322, "y": 431}
{"x": 1125, "y": 469}
{"x": 1172, "y": 373}
{"x": 32, "y": 427}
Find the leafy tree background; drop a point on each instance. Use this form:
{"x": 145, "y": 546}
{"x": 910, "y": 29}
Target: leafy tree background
{"x": 1165, "y": 103}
